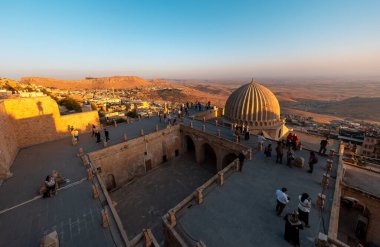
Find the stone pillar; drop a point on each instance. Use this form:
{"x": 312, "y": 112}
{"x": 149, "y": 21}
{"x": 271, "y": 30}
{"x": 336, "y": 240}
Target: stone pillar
{"x": 105, "y": 144}
{"x": 142, "y": 132}
{"x": 321, "y": 200}
{"x": 90, "y": 174}
{"x": 81, "y": 152}
{"x": 128, "y": 120}
{"x": 232, "y": 127}
{"x": 139, "y": 117}
{"x": 156, "y": 127}
{"x": 237, "y": 165}
{"x": 50, "y": 240}
{"x": 105, "y": 220}
{"x": 237, "y": 139}
{"x": 95, "y": 192}
{"x": 328, "y": 166}
{"x": 218, "y": 133}
{"x": 200, "y": 195}
{"x": 125, "y": 137}
{"x": 204, "y": 119}
{"x": 114, "y": 123}
{"x": 204, "y": 128}
{"x": 85, "y": 160}
{"x": 191, "y": 124}
{"x": 148, "y": 237}
{"x": 216, "y": 122}
{"x": 221, "y": 178}
{"x": 325, "y": 181}
{"x": 172, "y": 218}
{"x": 250, "y": 154}
{"x": 322, "y": 240}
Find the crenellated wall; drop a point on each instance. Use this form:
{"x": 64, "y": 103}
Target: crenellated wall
{"x": 29, "y": 121}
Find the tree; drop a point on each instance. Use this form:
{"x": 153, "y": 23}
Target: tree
{"x": 70, "y": 104}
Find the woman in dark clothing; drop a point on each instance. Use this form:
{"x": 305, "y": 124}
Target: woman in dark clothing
{"x": 292, "y": 227}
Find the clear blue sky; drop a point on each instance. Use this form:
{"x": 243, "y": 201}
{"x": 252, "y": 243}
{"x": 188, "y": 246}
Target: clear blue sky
{"x": 189, "y": 39}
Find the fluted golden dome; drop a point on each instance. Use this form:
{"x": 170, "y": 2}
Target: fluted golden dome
{"x": 254, "y": 105}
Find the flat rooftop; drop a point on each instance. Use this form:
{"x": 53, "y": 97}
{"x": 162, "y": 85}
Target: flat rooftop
{"x": 362, "y": 179}
{"x": 242, "y": 211}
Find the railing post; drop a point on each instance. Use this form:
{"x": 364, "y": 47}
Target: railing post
{"x": 221, "y": 178}
{"x": 172, "y": 218}
{"x": 200, "y": 195}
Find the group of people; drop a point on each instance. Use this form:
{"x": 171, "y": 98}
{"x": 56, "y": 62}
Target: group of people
{"x": 241, "y": 130}
{"x": 96, "y": 133}
{"x": 74, "y": 133}
{"x": 296, "y": 220}
{"x": 51, "y": 184}
{"x": 290, "y": 154}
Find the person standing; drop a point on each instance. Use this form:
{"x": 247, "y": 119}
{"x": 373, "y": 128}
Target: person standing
{"x": 304, "y": 207}
{"x": 282, "y": 200}
{"x": 268, "y": 151}
{"x": 241, "y": 161}
{"x": 260, "y": 141}
{"x": 290, "y": 157}
{"x": 76, "y": 135}
{"x": 93, "y": 130}
{"x": 106, "y": 134}
{"x": 312, "y": 161}
{"x": 279, "y": 152}
{"x": 323, "y": 145}
{"x": 292, "y": 227}
{"x": 97, "y": 134}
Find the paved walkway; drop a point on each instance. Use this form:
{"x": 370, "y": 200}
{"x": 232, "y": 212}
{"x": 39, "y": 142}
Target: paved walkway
{"x": 242, "y": 212}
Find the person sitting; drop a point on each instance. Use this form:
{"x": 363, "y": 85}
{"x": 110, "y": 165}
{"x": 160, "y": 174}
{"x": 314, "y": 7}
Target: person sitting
{"x": 50, "y": 186}
{"x": 59, "y": 179}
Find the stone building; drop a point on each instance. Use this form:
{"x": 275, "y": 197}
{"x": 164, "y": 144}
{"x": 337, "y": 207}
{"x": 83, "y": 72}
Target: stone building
{"x": 371, "y": 147}
{"x": 255, "y": 106}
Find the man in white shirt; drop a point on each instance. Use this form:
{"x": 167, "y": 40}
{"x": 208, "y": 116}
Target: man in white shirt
{"x": 260, "y": 141}
{"x": 282, "y": 200}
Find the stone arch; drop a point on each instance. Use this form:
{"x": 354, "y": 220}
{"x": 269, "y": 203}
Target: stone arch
{"x": 190, "y": 146}
{"x": 228, "y": 158}
{"x": 110, "y": 182}
{"x": 208, "y": 158}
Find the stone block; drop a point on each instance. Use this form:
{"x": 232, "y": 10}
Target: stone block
{"x": 299, "y": 162}
{"x": 50, "y": 240}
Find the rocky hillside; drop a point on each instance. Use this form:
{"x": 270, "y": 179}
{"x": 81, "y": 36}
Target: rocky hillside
{"x": 89, "y": 83}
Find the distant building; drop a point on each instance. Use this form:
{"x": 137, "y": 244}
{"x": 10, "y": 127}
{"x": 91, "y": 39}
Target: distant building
{"x": 371, "y": 147}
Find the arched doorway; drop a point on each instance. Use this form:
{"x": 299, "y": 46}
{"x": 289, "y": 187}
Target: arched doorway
{"x": 190, "y": 147}
{"x": 228, "y": 159}
{"x": 209, "y": 158}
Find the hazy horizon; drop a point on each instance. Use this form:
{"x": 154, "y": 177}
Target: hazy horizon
{"x": 193, "y": 40}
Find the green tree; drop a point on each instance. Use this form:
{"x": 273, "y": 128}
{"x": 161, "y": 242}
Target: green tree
{"x": 70, "y": 104}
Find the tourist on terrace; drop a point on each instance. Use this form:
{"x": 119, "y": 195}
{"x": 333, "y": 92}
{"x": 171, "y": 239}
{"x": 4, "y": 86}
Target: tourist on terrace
{"x": 323, "y": 145}
{"x": 93, "y": 130}
{"x": 292, "y": 227}
{"x": 282, "y": 200}
{"x": 312, "y": 160}
{"x": 50, "y": 186}
{"x": 107, "y": 134}
{"x": 97, "y": 134}
{"x": 304, "y": 207}
{"x": 279, "y": 152}
{"x": 260, "y": 141}
{"x": 295, "y": 141}
{"x": 268, "y": 151}
{"x": 290, "y": 157}
{"x": 241, "y": 161}
{"x": 289, "y": 140}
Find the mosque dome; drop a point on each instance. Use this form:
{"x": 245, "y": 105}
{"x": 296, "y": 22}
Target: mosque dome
{"x": 254, "y": 105}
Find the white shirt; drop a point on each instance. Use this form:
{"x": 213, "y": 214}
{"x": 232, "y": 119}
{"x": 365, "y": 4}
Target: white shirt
{"x": 261, "y": 139}
{"x": 304, "y": 206}
{"x": 281, "y": 196}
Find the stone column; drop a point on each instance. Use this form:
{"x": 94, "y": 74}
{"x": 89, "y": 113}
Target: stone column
{"x": 218, "y": 133}
{"x": 204, "y": 128}
{"x": 125, "y": 137}
{"x": 156, "y": 127}
{"x": 142, "y": 132}
{"x": 216, "y": 122}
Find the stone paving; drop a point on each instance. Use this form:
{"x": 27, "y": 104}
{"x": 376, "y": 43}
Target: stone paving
{"x": 142, "y": 203}
{"x": 242, "y": 212}
{"x": 73, "y": 213}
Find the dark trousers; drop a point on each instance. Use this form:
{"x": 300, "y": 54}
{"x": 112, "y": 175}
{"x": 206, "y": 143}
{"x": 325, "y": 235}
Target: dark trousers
{"x": 279, "y": 158}
{"x": 107, "y": 137}
{"x": 241, "y": 165}
{"x": 303, "y": 216}
{"x": 322, "y": 150}
{"x": 311, "y": 167}
{"x": 280, "y": 207}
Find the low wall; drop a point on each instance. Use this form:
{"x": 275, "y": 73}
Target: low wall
{"x": 122, "y": 162}
{"x": 208, "y": 114}
{"x": 29, "y": 121}
{"x": 8, "y": 144}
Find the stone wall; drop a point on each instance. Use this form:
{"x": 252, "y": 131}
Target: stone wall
{"x": 122, "y": 162}
{"x": 8, "y": 144}
{"x": 29, "y": 121}
{"x": 37, "y": 120}
{"x": 373, "y": 205}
